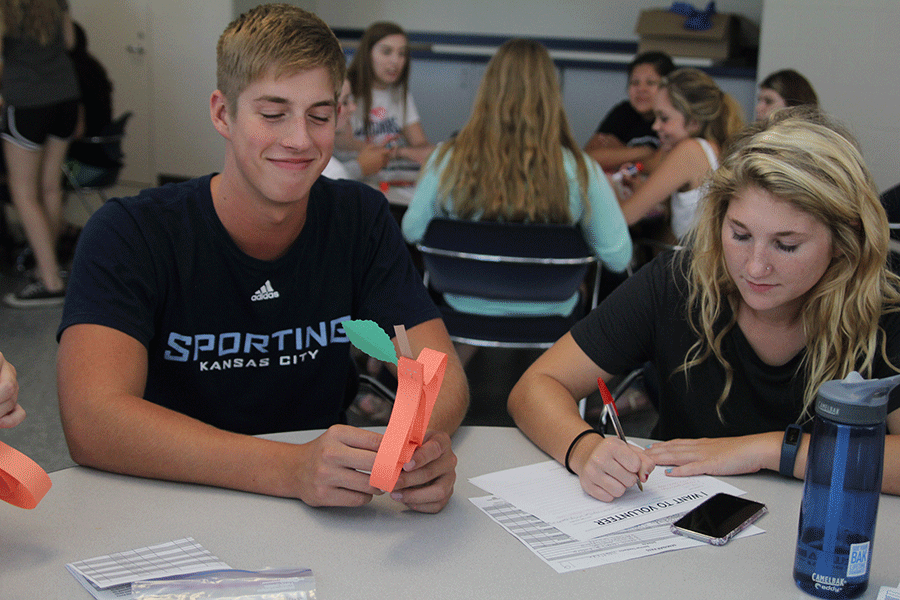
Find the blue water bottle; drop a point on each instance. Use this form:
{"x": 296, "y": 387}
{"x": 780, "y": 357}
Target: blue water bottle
{"x": 843, "y": 484}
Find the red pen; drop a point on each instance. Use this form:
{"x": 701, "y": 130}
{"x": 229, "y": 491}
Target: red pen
{"x": 613, "y": 413}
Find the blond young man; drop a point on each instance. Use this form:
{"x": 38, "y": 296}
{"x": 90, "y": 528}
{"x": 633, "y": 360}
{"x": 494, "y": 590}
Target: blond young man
{"x": 204, "y": 313}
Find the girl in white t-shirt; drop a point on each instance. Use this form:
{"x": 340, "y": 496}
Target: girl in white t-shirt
{"x": 369, "y": 159}
{"x": 386, "y": 114}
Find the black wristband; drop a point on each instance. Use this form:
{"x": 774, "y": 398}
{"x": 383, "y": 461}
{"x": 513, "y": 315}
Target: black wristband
{"x": 789, "y": 446}
{"x": 572, "y": 446}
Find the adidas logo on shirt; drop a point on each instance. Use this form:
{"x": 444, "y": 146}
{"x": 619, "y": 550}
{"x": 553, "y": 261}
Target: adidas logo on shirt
{"x": 266, "y": 292}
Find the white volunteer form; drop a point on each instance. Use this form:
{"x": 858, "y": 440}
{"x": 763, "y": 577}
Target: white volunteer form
{"x": 553, "y": 495}
{"x": 178, "y": 557}
{"x": 565, "y": 554}
{"x": 889, "y": 593}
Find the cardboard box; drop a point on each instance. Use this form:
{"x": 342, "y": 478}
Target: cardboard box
{"x": 664, "y": 31}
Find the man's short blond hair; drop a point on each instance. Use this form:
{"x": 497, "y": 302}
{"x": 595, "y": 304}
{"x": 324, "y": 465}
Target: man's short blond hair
{"x": 277, "y": 40}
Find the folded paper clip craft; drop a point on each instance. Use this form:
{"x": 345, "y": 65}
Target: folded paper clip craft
{"x": 418, "y": 384}
{"x": 22, "y": 482}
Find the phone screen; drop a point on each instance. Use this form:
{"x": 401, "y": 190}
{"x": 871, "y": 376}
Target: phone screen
{"x": 719, "y": 518}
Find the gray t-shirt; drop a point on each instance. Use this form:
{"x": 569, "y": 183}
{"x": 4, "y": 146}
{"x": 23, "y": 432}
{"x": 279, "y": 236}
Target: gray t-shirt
{"x": 35, "y": 74}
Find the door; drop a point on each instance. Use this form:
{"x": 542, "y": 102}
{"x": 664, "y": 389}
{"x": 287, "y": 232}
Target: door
{"x": 119, "y": 37}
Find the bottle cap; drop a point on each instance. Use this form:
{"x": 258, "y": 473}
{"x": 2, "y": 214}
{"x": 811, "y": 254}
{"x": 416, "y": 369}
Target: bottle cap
{"x": 854, "y": 400}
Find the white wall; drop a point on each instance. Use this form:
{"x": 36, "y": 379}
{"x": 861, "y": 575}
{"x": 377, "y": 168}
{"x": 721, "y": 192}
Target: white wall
{"x": 165, "y": 84}
{"x": 184, "y": 75}
{"x": 849, "y": 52}
{"x": 120, "y": 41}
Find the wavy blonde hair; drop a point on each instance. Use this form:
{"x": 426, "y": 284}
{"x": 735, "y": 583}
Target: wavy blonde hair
{"x": 38, "y": 19}
{"x": 802, "y": 157}
{"x": 695, "y": 95}
{"x": 507, "y": 162}
{"x": 277, "y": 37}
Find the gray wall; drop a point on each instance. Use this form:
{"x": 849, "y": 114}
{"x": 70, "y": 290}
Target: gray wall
{"x": 849, "y": 52}
{"x": 444, "y": 91}
{"x": 846, "y": 47}
{"x": 605, "y": 19}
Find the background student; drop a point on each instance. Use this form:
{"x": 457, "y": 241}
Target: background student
{"x": 40, "y": 103}
{"x": 369, "y": 160}
{"x": 96, "y": 88}
{"x": 743, "y": 325}
{"x": 626, "y": 134}
{"x": 386, "y": 113}
{"x": 781, "y": 89}
{"x": 95, "y": 108}
{"x": 694, "y": 120}
{"x": 516, "y": 160}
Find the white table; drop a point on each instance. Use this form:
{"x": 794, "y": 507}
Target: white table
{"x": 381, "y": 551}
{"x": 399, "y": 195}
{"x": 397, "y": 181}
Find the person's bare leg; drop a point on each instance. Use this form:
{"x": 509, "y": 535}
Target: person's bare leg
{"x": 23, "y": 169}
{"x": 51, "y": 183}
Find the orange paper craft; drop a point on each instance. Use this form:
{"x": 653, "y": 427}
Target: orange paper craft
{"x": 22, "y": 482}
{"x": 418, "y": 384}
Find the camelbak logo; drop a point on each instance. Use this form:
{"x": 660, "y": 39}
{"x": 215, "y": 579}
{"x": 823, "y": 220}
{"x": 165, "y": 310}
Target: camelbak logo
{"x": 266, "y": 292}
{"x": 827, "y": 583}
{"x": 828, "y": 579}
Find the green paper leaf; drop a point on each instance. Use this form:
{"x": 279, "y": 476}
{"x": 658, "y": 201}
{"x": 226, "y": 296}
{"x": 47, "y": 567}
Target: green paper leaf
{"x": 371, "y": 339}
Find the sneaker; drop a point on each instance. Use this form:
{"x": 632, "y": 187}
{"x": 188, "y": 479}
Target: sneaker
{"x": 35, "y": 294}
{"x": 25, "y": 261}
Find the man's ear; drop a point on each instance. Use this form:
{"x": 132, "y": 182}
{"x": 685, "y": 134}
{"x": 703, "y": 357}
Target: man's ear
{"x": 220, "y": 114}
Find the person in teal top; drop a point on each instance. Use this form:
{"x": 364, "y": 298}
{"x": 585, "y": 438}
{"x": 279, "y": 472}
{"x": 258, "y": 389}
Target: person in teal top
{"x": 535, "y": 173}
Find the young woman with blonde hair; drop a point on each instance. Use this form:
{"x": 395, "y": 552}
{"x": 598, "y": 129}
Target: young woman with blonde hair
{"x": 516, "y": 160}
{"x": 783, "y": 286}
{"x": 40, "y": 105}
{"x": 694, "y": 120}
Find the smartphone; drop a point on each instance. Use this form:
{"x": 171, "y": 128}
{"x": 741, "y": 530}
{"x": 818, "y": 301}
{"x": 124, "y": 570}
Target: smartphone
{"x": 719, "y": 518}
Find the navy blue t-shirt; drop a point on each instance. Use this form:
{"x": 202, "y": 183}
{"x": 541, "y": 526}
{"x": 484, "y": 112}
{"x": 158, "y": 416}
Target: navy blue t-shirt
{"x": 246, "y": 345}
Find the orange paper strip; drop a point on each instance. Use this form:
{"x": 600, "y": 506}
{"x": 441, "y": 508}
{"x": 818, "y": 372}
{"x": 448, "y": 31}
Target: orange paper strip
{"x": 418, "y": 384}
{"x": 22, "y": 482}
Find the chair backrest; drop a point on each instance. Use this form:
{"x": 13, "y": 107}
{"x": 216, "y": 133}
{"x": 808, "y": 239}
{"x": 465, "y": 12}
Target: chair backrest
{"x": 111, "y": 138}
{"x": 505, "y": 261}
{"x": 95, "y": 162}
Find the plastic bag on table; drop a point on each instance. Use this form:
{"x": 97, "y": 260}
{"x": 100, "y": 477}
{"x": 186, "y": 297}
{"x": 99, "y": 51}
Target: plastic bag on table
{"x": 234, "y": 584}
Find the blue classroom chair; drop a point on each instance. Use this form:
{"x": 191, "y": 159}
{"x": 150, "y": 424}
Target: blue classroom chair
{"x": 509, "y": 261}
